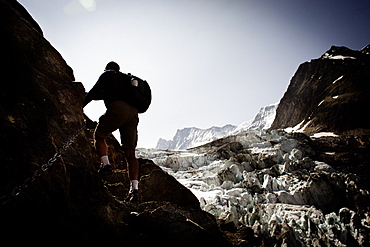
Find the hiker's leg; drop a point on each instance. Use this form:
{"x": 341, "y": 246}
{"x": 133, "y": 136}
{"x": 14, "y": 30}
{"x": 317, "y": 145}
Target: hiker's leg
{"x": 102, "y": 150}
{"x": 107, "y": 124}
{"x": 132, "y": 165}
{"x": 133, "y": 173}
{"x": 101, "y": 146}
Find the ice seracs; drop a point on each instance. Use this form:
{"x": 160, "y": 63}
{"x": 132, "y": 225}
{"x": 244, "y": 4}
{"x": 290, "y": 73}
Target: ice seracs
{"x": 268, "y": 180}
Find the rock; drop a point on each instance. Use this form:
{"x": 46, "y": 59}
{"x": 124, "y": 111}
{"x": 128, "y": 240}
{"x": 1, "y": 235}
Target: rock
{"x": 163, "y": 224}
{"x": 321, "y": 166}
{"x": 61, "y": 199}
{"x": 157, "y": 185}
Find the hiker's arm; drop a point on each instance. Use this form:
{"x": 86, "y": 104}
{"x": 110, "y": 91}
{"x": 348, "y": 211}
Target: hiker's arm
{"x": 94, "y": 94}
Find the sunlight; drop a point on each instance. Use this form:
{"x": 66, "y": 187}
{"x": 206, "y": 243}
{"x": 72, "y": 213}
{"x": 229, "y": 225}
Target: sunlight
{"x": 77, "y": 7}
{"x": 89, "y": 5}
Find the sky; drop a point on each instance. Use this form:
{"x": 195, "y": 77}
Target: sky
{"x": 208, "y": 62}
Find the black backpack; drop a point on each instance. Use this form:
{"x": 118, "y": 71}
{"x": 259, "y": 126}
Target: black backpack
{"x": 141, "y": 95}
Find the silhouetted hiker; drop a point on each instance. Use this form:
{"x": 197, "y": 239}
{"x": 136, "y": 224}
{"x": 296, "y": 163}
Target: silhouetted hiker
{"x": 113, "y": 87}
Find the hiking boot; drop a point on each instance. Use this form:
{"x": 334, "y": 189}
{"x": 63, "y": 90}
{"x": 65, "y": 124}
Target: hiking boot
{"x": 104, "y": 169}
{"x": 133, "y": 196}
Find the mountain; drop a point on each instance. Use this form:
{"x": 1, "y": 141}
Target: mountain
{"x": 328, "y": 94}
{"x": 192, "y": 137}
{"x": 262, "y": 120}
{"x": 306, "y": 180}
{"x": 254, "y": 188}
{"x": 49, "y": 184}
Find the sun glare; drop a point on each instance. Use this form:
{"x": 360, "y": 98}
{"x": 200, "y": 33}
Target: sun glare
{"x": 89, "y": 5}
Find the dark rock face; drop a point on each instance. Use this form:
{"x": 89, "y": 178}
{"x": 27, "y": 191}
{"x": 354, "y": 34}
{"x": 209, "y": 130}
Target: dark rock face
{"x": 69, "y": 202}
{"x": 328, "y": 94}
{"x": 351, "y": 155}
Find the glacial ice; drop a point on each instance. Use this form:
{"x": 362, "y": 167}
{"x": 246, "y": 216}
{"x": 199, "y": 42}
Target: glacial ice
{"x": 268, "y": 182}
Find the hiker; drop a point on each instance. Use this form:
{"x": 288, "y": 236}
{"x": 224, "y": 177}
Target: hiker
{"x": 113, "y": 87}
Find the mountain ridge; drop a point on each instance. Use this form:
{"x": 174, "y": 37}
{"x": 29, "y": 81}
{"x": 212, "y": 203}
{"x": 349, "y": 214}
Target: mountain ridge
{"x": 192, "y": 136}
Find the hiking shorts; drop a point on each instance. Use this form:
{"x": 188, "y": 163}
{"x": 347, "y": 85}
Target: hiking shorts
{"x": 122, "y": 116}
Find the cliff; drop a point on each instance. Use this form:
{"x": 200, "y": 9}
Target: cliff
{"x": 51, "y": 193}
{"x": 329, "y": 94}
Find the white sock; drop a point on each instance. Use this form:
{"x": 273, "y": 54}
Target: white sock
{"x": 105, "y": 160}
{"x": 134, "y": 185}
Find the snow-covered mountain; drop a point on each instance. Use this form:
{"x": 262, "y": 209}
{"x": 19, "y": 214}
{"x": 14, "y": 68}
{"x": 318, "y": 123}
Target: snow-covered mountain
{"x": 192, "y": 137}
{"x": 262, "y": 120}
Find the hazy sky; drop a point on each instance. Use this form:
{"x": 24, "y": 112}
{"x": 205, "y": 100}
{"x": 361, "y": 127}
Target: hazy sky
{"x": 208, "y": 62}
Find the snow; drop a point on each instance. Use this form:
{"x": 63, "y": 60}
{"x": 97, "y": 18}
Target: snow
{"x": 324, "y": 134}
{"x": 264, "y": 118}
{"x": 341, "y": 57}
{"x": 336, "y": 57}
{"x": 193, "y": 137}
{"x": 340, "y": 78}
{"x": 334, "y": 97}
{"x": 298, "y": 127}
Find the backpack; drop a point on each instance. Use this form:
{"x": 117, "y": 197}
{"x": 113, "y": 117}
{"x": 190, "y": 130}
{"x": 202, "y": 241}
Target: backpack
{"x": 141, "y": 94}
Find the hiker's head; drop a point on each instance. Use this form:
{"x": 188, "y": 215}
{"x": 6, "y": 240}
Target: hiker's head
{"x": 112, "y": 66}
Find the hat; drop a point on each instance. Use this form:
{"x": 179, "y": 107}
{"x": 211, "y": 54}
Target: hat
{"x": 112, "y": 66}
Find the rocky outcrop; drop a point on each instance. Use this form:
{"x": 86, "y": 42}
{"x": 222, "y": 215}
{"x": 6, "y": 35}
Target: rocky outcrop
{"x": 328, "y": 94}
{"x": 51, "y": 193}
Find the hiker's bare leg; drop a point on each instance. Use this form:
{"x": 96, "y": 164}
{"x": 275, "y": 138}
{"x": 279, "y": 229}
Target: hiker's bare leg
{"x": 133, "y": 173}
{"x": 101, "y": 146}
{"x": 132, "y": 164}
{"x": 102, "y": 150}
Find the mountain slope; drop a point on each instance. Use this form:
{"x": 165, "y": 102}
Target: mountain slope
{"x": 330, "y": 93}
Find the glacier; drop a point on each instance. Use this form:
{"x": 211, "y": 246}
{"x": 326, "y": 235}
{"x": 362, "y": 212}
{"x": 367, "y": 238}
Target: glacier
{"x": 270, "y": 181}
